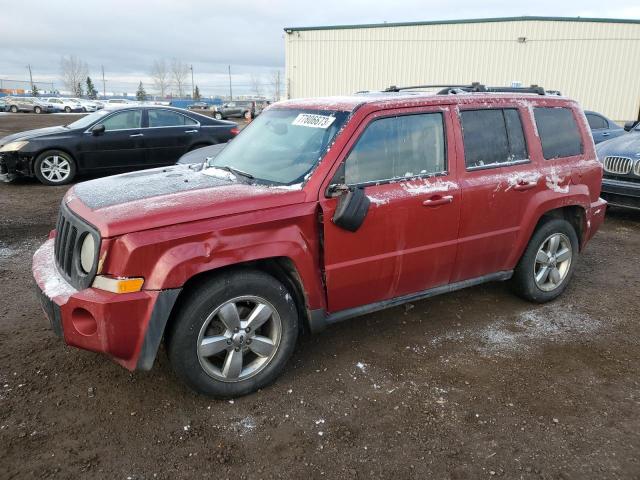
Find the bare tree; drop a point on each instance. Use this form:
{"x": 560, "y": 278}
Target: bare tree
{"x": 274, "y": 84}
{"x": 180, "y": 73}
{"x": 256, "y": 85}
{"x": 160, "y": 76}
{"x": 74, "y": 71}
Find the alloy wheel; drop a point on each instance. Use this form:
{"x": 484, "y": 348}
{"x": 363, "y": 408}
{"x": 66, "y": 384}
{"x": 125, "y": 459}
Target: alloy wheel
{"x": 239, "y": 339}
{"x": 55, "y": 168}
{"x": 552, "y": 262}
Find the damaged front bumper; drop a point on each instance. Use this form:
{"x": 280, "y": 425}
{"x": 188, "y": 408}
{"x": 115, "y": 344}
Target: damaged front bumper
{"x": 126, "y": 327}
{"x": 15, "y": 164}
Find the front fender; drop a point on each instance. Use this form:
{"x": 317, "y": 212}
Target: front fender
{"x": 169, "y": 257}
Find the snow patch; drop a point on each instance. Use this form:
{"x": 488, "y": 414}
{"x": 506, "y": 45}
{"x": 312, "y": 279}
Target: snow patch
{"x": 45, "y": 271}
{"x": 423, "y": 186}
{"x": 554, "y": 180}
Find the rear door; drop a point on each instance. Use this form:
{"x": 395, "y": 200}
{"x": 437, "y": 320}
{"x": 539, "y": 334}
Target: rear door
{"x": 120, "y": 146}
{"x": 405, "y": 161}
{"x": 168, "y": 136}
{"x": 498, "y": 179}
{"x": 599, "y": 127}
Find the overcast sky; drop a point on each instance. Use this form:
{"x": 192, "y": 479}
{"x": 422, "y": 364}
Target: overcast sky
{"x": 127, "y": 36}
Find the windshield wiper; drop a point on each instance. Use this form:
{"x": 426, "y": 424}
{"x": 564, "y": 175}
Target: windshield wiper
{"x": 234, "y": 171}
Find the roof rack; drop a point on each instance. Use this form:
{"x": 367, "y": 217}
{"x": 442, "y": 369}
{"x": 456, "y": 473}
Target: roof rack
{"x": 476, "y": 87}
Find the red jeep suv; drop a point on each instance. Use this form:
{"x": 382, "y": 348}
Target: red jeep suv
{"x": 321, "y": 210}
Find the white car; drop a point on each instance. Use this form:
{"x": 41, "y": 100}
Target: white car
{"x": 119, "y": 101}
{"x": 65, "y": 104}
{"x": 87, "y": 105}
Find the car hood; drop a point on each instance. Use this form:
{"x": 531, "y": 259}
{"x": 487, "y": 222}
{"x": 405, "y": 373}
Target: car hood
{"x": 167, "y": 196}
{"x": 627, "y": 145}
{"x": 30, "y": 134}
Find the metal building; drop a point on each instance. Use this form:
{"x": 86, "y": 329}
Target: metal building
{"x": 593, "y": 60}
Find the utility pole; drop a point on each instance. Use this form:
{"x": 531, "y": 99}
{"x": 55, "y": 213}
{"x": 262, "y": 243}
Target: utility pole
{"x": 30, "y": 77}
{"x": 230, "y": 90}
{"x": 104, "y": 88}
{"x": 193, "y": 88}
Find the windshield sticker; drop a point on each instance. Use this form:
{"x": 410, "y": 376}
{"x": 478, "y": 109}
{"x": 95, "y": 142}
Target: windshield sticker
{"x": 313, "y": 121}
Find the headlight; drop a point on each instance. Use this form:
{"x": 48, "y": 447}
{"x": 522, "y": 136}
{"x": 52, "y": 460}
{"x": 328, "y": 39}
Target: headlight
{"x": 87, "y": 253}
{"x": 13, "y": 146}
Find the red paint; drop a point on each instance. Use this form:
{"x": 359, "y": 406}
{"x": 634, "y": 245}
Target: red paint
{"x": 427, "y": 233}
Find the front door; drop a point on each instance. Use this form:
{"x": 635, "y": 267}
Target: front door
{"x": 405, "y": 161}
{"x": 120, "y": 146}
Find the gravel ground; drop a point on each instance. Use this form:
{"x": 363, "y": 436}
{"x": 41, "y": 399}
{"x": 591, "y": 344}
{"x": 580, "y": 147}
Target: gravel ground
{"x": 472, "y": 384}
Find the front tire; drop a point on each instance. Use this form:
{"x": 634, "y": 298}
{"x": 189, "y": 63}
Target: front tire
{"x": 545, "y": 269}
{"x": 217, "y": 116}
{"x": 233, "y": 334}
{"x": 54, "y": 167}
{"x": 37, "y": 110}
{"x": 67, "y": 109}
{"x": 13, "y": 109}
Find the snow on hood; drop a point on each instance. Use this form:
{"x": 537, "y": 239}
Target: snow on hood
{"x": 29, "y": 134}
{"x": 627, "y": 145}
{"x": 166, "y": 196}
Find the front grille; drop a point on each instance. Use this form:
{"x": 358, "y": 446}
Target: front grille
{"x": 636, "y": 168}
{"x": 71, "y": 233}
{"x": 618, "y": 165}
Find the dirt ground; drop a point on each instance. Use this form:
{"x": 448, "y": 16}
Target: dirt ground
{"x": 474, "y": 384}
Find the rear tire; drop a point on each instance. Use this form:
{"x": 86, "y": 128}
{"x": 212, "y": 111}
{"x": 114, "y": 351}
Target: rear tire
{"x": 217, "y": 116}
{"x": 547, "y": 265}
{"x": 54, "y": 167}
{"x": 13, "y": 109}
{"x": 233, "y": 334}
{"x": 67, "y": 109}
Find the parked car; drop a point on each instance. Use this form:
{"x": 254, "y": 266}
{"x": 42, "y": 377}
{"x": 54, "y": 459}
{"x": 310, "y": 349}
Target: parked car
{"x": 119, "y": 101}
{"x": 29, "y": 105}
{"x": 238, "y": 109}
{"x": 620, "y": 158}
{"x": 319, "y": 211}
{"x": 65, "y": 104}
{"x": 200, "y": 155}
{"x": 127, "y": 138}
{"x": 87, "y": 105}
{"x": 199, "y": 106}
{"x": 601, "y": 127}
{"x": 4, "y": 107}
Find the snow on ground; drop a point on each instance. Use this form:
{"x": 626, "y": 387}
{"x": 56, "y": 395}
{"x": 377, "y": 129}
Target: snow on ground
{"x": 506, "y": 336}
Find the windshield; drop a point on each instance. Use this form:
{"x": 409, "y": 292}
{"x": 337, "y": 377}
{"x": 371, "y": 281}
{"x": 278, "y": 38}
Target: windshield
{"x": 282, "y": 146}
{"x": 84, "y": 122}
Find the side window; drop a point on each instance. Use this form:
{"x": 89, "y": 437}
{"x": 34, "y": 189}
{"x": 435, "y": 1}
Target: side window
{"x": 558, "y": 132}
{"x": 596, "y": 122}
{"x": 124, "y": 120}
{"x": 492, "y": 137}
{"x": 167, "y": 118}
{"x": 398, "y": 147}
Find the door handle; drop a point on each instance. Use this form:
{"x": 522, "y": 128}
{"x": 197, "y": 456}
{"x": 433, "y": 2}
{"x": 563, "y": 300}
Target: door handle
{"x": 606, "y": 134}
{"x": 438, "y": 200}
{"x": 191, "y": 131}
{"x": 136, "y": 135}
{"x": 522, "y": 186}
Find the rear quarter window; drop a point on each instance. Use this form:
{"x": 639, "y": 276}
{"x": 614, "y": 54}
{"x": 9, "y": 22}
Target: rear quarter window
{"x": 558, "y": 131}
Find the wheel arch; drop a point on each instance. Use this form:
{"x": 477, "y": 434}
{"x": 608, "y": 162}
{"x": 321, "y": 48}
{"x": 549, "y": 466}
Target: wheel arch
{"x": 574, "y": 213}
{"x": 282, "y": 268}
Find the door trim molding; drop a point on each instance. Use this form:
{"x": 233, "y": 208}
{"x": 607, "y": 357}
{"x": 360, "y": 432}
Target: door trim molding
{"x": 319, "y": 319}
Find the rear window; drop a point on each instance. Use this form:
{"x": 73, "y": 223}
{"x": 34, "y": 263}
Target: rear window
{"x": 492, "y": 137}
{"x": 558, "y": 131}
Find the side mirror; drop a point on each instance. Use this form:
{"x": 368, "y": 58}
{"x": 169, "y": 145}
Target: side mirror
{"x": 98, "y": 129}
{"x": 352, "y": 209}
{"x": 629, "y": 126}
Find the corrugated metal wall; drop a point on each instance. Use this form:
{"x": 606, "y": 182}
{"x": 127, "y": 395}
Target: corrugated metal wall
{"x": 596, "y": 63}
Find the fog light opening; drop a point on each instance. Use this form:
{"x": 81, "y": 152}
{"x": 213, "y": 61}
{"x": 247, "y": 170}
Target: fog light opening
{"x": 84, "y": 322}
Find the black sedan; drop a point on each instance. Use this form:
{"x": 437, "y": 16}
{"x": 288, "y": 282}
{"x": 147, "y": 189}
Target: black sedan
{"x": 125, "y": 138}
